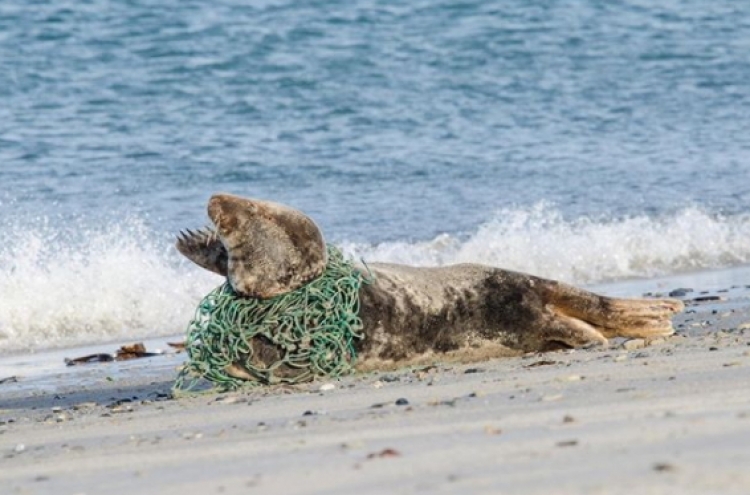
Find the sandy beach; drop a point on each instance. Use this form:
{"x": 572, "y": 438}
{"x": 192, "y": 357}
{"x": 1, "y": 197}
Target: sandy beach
{"x": 669, "y": 416}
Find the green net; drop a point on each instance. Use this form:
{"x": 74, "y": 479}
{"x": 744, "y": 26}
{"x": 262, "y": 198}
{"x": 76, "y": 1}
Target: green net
{"x": 235, "y": 341}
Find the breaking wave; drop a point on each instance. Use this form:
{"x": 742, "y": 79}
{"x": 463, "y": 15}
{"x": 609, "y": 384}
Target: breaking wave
{"x": 539, "y": 240}
{"x": 61, "y": 287}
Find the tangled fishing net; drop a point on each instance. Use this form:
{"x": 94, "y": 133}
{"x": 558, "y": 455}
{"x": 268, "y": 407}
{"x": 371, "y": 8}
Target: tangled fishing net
{"x": 235, "y": 341}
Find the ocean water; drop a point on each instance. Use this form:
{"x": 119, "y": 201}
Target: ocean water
{"x": 590, "y": 141}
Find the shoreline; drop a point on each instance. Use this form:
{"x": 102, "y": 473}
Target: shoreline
{"x": 670, "y": 417}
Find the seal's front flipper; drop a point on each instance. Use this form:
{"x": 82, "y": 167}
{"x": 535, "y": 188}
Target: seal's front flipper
{"x": 204, "y": 248}
{"x": 271, "y": 249}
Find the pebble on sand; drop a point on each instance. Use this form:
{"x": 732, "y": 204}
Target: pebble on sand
{"x": 633, "y": 344}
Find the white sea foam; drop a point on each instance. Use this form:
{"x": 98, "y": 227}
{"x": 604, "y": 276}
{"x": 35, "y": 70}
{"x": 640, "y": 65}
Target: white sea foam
{"x": 539, "y": 240}
{"x": 77, "y": 285}
{"x": 72, "y": 286}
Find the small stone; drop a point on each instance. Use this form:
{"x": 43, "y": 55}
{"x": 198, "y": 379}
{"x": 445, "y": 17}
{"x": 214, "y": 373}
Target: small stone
{"x": 567, "y": 443}
{"x": 19, "y": 448}
{"x": 327, "y": 387}
{"x": 569, "y": 419}
{"x": 384, "y": 453}
{"x": 681, "y": 292}
{"x": 633, "y": 344}
{"x": 570, "y": 378}
{"x": 230, "y": 399}
{"x": 551, "y": 398}
{"x": 473, "y": 370}
{"x": 708, "y": 298}
{"x": 620, "y": 358}
{"x": 57, "y": 409}
{"x": 491, "y": 430}
{"x": 390, "y": 378}
{"x": 121, "y": 409}
{"x": 377, "y": 384}
{"x": 402, "y": 402}
{"x": 663, "y": 467}
{"x": 543, "y": 362}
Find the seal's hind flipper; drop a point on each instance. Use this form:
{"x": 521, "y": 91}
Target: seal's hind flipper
{"x": 204, "y": 248}
{"x": 272, "y": 249}
{"x": 612, "y": 317}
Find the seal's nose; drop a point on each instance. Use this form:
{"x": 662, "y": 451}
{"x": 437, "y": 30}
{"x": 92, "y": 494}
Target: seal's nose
{"x": 223, "y": 210}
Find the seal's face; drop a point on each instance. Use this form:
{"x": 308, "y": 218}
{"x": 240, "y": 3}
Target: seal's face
{"x": 271, "y": 249}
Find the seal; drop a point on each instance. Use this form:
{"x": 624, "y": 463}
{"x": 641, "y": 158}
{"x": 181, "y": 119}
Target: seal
{"x": 464, "y": 312}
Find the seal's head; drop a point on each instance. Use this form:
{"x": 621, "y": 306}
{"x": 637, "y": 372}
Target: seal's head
{"x": 271, "y": 249}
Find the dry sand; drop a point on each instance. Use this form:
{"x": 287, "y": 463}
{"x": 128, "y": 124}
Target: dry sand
{"x": 672, "y": 417}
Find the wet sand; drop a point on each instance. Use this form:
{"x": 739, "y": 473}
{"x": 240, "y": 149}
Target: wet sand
{"x": 670, "y": 416}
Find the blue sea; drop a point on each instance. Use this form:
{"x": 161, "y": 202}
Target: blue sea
{"x": 589, "y": 141}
